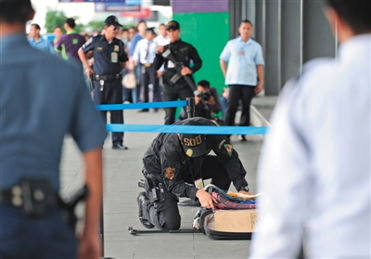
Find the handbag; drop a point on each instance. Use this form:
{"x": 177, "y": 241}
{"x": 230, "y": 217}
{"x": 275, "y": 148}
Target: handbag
{"x": 129, "y": 81}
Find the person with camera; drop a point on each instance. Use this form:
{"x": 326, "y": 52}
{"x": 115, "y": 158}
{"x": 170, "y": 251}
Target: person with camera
{"x": 180, "y": 60}
{"x": 175, "y": 164}
{"x": 206, "y": 101}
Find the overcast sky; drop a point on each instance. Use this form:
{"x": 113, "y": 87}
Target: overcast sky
{"x": 85, "y": 11}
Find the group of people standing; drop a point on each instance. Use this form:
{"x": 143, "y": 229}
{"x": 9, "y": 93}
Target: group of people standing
{"x": 163, "y": 66}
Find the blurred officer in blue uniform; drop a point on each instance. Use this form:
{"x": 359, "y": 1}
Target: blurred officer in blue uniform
{"x": 42, "y": 98}
{"x": 109, "y": 60}
{"x": 315, "y": 172}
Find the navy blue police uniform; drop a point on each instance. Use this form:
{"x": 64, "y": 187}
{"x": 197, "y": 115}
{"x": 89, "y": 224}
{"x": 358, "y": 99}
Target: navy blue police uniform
{"x": 173, "y": 163}
{"x": 108, "y": 59}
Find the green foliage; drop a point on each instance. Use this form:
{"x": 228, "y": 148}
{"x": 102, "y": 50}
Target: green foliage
{"x": 95, "y": 25}
{"x": 54, "y": 18}
{"x": 57, "y": 18}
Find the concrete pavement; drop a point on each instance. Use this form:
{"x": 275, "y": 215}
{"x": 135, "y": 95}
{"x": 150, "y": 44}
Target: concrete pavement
{"x": 122, "y": 171}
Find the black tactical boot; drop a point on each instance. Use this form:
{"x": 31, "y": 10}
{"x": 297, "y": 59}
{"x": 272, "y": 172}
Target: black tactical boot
{"x": 142, "y": 200}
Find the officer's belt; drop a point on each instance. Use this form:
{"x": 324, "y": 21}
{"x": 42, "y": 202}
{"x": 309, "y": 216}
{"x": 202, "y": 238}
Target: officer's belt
{"x": 106, "y": 77}
{"x": 15, "y": 197}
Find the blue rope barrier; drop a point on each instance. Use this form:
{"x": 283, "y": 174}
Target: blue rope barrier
{"x": 188, "y": 129}
{"x": 132, "y": 106}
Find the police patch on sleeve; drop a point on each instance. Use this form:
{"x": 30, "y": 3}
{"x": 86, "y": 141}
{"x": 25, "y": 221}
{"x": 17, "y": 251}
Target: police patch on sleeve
{"x": 169, "y": 173}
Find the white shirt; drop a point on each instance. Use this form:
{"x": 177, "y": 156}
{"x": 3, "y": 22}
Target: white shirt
{"x": 140, "y": 52}
{"x": 161, "y": 40}
{"x": 315, "y": 167}
{"x": 242, "y": 58}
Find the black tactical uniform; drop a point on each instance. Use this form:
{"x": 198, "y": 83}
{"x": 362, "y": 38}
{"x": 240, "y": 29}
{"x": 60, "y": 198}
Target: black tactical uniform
{"x": 185, "y": 54}
{"x": 174, "y": 164}
{"x": 108, "y": 59}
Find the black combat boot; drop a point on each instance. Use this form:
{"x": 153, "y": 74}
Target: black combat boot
{"x": 142, "y": 200}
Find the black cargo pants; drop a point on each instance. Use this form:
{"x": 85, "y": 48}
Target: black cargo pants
{"x": 110, "y": 93}
{"x": 164, "y": 214}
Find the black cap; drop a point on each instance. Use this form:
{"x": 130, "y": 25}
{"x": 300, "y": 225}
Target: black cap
{"x": 112, "y": 20}
{"x": 194, "y": 145}
{"x": 172, "y": 26}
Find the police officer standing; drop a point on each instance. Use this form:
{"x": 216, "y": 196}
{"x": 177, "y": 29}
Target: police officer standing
{"x": 109, "y": 59}
{"x": 175, "y": 83}
{"x": 173, "y": 165}
{"x": 42, "y": 98}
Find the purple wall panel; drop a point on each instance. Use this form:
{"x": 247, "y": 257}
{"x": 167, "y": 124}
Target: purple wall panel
{"x": 199, "y": 6}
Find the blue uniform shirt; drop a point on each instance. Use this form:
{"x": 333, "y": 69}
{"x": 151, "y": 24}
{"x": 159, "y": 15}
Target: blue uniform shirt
{"x": 108, "y": 56}
{"x": 242, "y": 58}
{"x": 42, "y": 98}
{"x": 42, "y": 44}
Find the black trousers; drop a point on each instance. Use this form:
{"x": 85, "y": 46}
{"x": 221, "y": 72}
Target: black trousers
{"x": 110, "y": 94}
{"x": 165, "y": 213}
{"x": 149, "y": 76}
{"x": 173, "y": 93}
{"x": 237, "y": 92}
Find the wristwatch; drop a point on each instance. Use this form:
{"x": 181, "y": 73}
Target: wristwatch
{"x": 244, "y": 188}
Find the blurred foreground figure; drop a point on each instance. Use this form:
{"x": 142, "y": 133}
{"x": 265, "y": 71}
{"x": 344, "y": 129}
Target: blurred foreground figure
{"x": 315, "y": 169}
{"x": 42, "y": 98}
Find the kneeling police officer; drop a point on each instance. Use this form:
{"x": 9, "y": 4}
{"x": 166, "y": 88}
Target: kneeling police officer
{"x": 175, "y": 162}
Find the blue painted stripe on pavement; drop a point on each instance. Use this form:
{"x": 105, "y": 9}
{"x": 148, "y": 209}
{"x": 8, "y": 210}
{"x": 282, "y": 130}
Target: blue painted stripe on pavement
{"x": 188, "y": 129}
{"x": 132, "y": 106}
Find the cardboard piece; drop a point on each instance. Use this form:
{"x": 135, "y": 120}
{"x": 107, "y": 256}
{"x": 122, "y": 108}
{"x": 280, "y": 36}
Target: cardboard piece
{"x": 237, "y": 221}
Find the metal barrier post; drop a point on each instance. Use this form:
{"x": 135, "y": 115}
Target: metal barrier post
{"x": 190, "y": 108}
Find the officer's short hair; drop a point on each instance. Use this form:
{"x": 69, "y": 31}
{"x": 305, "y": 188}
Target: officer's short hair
{"x": 204, "y": 83}
{"x": 37, "y": 27}
{"x": 246, "y": 21}
{"x": 70, "y": 22}
{"x": 356, "y": 13}
{"x": 141, "y": 21}
{"x": 13, "y": 11}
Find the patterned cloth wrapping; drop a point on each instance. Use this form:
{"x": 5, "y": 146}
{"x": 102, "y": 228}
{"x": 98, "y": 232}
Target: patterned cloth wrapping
{"x": 225, "y": 204}
{"x": 228, "y": 201}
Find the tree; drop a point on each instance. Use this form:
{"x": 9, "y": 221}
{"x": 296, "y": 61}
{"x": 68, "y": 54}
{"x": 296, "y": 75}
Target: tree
{"x": 54, "y": 18}
{"x": 95, "y": 26}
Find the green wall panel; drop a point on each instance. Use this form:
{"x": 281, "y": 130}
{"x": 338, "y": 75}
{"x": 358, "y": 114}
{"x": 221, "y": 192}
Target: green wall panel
{"x": 208, "y": 32}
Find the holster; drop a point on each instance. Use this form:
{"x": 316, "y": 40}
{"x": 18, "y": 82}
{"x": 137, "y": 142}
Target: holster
{"x": 34, "y": 196}
{"x": 68, "y": 206}
{"x": 154, "y": 187}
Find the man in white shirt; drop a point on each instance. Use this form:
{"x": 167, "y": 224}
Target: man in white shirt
{"x": 315, "y": 167}
{"x": 162, "y": 39}
{"x": 144, "y": 54}
{"x": 244, "y": 73}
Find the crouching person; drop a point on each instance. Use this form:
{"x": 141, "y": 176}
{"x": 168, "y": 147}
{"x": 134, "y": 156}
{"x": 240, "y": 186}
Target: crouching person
{"x": 175, "y": 163}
